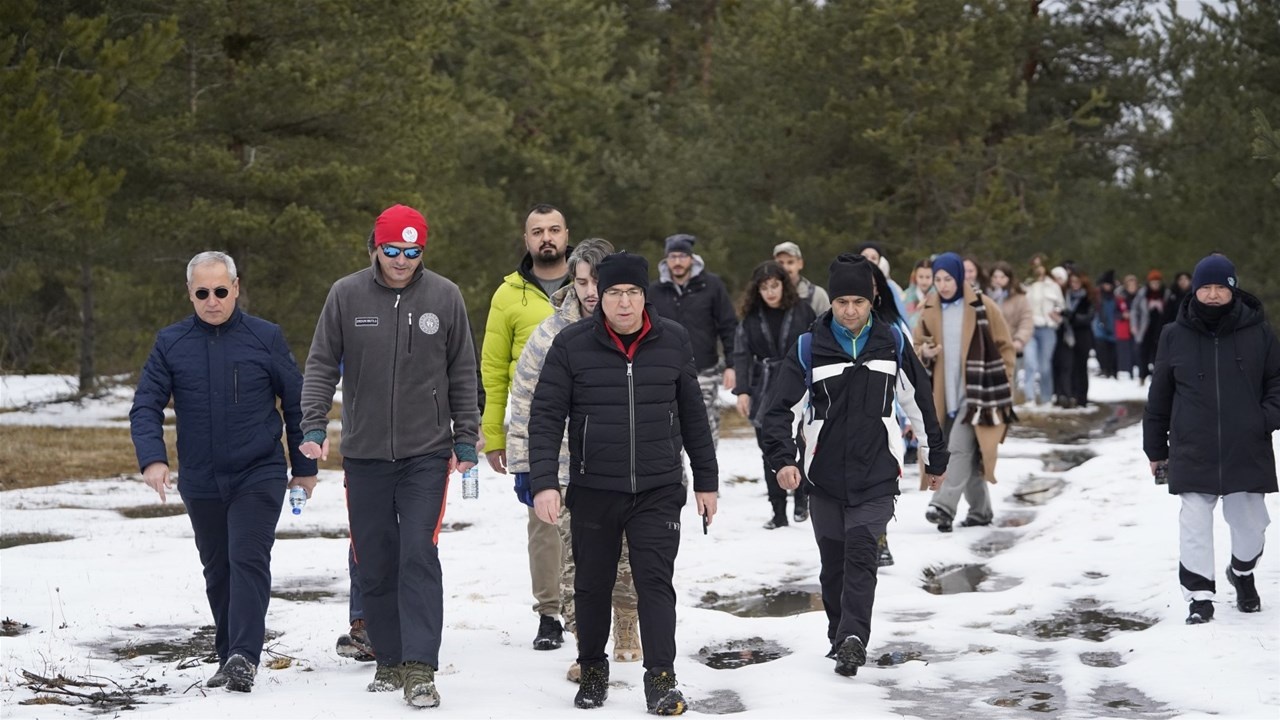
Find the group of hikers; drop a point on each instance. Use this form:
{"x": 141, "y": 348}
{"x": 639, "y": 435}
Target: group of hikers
{"x": 593, "y": 384}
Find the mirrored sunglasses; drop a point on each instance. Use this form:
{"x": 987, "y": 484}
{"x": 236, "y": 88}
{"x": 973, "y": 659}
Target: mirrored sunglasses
{"x": 412, "y": 253}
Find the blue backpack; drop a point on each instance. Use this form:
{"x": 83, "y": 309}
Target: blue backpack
{"x": 804, "y": 346}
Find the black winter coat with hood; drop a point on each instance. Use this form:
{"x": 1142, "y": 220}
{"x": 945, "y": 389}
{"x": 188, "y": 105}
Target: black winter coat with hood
{"x": 630, "y": 413}
{"x": 703, "y": 307}
{"x": 1215, "y": 400}
{"x": 758, "y": 354}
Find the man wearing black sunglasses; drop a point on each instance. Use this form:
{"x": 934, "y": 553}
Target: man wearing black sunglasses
{"x": 397, "y": 336}
{"x": 224, "y": 370}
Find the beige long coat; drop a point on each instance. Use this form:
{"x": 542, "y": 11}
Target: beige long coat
{"x": 929, "y": 328}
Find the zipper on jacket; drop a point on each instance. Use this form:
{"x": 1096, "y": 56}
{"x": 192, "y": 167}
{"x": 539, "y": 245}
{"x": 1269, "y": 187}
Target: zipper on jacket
{"x": 435, "y": 398}
{"x": 671, "y": 429}
{"x": 433, "y": 391}
{"x": 1217, "y": 386}
{"x": 391, "y": 406}
{"x": 235, "y": 384}
{"x": 631, "y": 413}
{"x": 582, "y": 464}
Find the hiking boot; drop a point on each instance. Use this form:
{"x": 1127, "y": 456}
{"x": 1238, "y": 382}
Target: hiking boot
{"x": 386, "y": 679}
{"x": 776, "y": 522}
{"x": 550, "y": 634}
{"x": 939, "y": 517}
{"x": 575, "y": 673}
{"x": 419, "y": 684}
{"x": 972, "y": 522}
{"x": 835, "y": 647}
{"x": 850, "y": 656}
{"x": 801, "y": 510}
{"x": 355, "y": 644}
{"x": 1247, "y": 599}
{"x": 885, "y": 558}
{"x": 661, "y": 695}
{"x": 239, "y": 672}
{"x": 218, "y": 679}
{"x": 626, "y": 636}
{"x": 593, "y": 686}
{"x": 1201, "y": 612}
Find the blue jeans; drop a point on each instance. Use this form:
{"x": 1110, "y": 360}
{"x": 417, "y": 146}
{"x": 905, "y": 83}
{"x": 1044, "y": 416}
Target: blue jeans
{"x": 1038, "y": 359}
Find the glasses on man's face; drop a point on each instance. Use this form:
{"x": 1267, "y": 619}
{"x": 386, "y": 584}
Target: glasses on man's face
{"x": 220, "y": 292}
{"x": 619, "y": 293}
{"x": 412, "y": 253}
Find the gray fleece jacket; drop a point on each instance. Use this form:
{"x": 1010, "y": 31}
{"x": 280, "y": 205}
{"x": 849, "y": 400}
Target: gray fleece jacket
{"x": 407, "y": 364}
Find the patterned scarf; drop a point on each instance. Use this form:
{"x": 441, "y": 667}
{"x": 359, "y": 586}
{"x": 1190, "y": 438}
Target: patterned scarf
{"x": 987, "y": 392}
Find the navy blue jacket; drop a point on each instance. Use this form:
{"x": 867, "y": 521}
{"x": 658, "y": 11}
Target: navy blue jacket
{"x": 224, "y": 381}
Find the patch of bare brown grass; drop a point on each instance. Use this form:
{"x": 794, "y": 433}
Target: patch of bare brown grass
{"x": 32, "y": 456}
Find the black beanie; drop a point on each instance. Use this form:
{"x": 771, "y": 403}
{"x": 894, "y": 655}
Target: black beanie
{"x": 622, "y": 268}
{"x": 1214, "y": 270}
{"x": 681, "y": 243}
{"x": 851, "y": 275}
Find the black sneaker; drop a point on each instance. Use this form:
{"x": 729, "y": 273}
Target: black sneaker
{"x": 831, "y": 654}
{"x": 1247, "y": 599}
{"x": 550, "y": 634}
{"x": 593, "y": 685}
{"x": 801, "y": 510}
{"x": 355, "y": 644}
{"x": 885, "y": 558}
{"x": 1201, "y": 612}
{"x": 776, "y": 522}
{"x": 850, "y": 656}
{"x": 218, "y": 679}
{"x": 661, "y": 695}
{"x": 939, "y": 517}
{"x": 971, "y": 522}
{"x": 239, "y": 672}
{"x": 419, "y": 684}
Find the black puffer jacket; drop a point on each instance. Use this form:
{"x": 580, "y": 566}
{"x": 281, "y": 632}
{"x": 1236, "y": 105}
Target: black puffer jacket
{"x": 703, "y": 307}
{"x": 628, "y": 417}
{"x": 758, "y": 355}
{"x": 1215, "y": 400}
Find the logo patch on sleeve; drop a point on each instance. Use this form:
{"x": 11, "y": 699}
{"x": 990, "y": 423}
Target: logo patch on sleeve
{"x": 366, "y": 322}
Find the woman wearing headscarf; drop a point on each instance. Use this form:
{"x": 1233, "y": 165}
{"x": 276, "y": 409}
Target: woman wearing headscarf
{"x": 962, "y": 336}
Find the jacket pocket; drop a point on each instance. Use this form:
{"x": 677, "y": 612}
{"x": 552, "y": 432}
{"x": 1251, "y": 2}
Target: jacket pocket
{"x": 582, "y": 460}
{"x": 878, "y": 400}
{"x": 435, "y": 397}
{"x": 235, "y": 384}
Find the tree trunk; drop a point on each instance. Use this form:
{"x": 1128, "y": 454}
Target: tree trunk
{"x": 88, "y": 384}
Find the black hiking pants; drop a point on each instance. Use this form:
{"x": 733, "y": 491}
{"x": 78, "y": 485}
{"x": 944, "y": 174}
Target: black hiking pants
{"x": 848, "y": 546}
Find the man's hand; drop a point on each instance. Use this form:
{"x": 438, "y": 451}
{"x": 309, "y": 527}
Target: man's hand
{"x": 730, "y": 378}
{"x": 306, "y": 483}
{"x": 497, "y": 460}
{"x": 706, "y": 504}
{"x": 311, "y": 450}
{"x": 156, "y": 476}
{"x": 546, "y": 505}
{"x": 935, "y": 481}
{"x": 744, "y": 405}
{"x": 789, "y": 477}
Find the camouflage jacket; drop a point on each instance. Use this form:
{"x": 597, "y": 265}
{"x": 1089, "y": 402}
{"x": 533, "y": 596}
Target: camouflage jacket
{"x": 528, "y": 368}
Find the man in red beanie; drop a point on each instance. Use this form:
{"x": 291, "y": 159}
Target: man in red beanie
{"x": 397, "y": 336}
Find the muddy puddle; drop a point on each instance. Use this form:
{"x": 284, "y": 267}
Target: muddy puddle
{"x": 766, "y": 602}
{"x": 1014, "y": 518}
{"x": 994, "y": 543}
{"x": 454, "y": 526}
{"x": 301, "y": 595}
{"x": 158, "y": 510}
{"x": 188, "y": 648}
{"x": 13, "y": 628}
{"x": 892, "y": 654}
{"x": 1122, "y": 701}
{"x": 10, "y": 540}
{"x": 1030, "y": 690}
{"x": 1086, "y": 620}
{"x": 1039, "y": 490}
{"x": 1076, "y": 427}
{"x": 736, "y": 654}
{"x": 327, "y": 533}
{"x": 1063, "y": 460}
{"x": 954, "y": 579}
{"x": 718, "y": 702}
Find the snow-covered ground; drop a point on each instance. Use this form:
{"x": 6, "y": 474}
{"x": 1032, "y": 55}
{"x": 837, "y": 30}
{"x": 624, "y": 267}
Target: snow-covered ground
{"x": 1103, "y": 551}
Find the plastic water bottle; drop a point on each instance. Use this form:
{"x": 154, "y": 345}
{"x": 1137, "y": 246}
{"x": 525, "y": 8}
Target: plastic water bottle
{"x": 471, "y": 483}
{"x": 297, "y": 499}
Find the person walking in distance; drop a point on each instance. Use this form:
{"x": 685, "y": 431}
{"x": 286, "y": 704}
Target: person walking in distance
{"x": 788, "y": 255}
{"x": 1212, "y": 407}
{"x": 225, "y": 371}
{"x": 849, "y": 370}
{"x": 773, "y": 316}
{"x": 626, "y": 382}
{"x": 409, "y": 418}
{"x": 519, "y": 305}
{"x": 572, "y": 303}
{"x": 688, "y": 293}
{"x": 1045, "y": 297}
